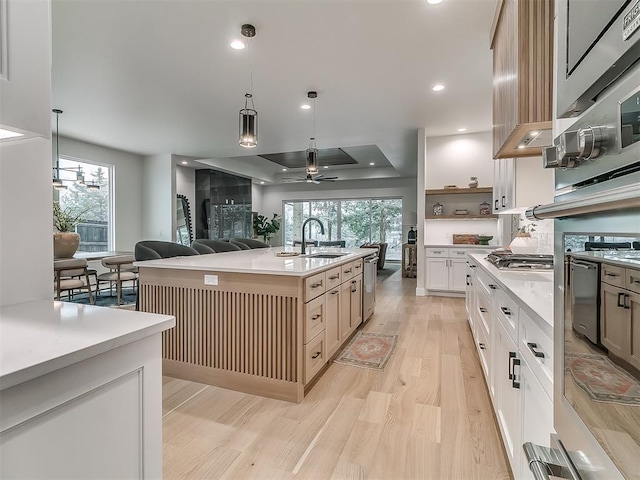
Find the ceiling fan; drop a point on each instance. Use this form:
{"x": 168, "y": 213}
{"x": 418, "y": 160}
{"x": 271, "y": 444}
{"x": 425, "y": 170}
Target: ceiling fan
{"x": 317, "y": 179}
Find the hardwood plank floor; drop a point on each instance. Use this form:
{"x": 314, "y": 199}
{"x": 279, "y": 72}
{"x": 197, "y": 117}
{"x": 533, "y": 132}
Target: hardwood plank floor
{"x": 426, "y": 416}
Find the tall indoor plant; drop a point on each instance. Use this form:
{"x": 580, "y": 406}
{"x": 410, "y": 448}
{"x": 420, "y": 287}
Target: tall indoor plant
{"x": 266, "y": 228}
{"x": 65, "y": 239}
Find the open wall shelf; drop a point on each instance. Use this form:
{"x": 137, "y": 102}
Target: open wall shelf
{"x": 461, "y": 217}
{"x": 459, "y": 191}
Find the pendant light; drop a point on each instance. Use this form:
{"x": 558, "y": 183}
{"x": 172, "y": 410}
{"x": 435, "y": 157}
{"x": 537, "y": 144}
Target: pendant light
{"x": 312, "y": 151}
{"x": 57, "y": 181}
{"x": 249, "y": 115}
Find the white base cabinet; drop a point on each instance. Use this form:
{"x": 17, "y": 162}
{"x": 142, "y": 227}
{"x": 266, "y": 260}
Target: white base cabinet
{"x": 447, "y": 269}
{"x": 519, "y": 383}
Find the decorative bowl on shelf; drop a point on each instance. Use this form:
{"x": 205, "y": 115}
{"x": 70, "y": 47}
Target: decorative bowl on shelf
{"x": 484, "y": 239}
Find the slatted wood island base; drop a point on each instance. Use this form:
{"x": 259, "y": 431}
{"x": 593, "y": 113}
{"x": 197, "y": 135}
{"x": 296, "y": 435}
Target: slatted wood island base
{"x": 253, "y": 332}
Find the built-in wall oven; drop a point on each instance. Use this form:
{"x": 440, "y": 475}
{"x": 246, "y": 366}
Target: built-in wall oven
{"x": 597, "y": 391}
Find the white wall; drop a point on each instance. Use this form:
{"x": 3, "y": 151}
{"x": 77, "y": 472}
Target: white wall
{"x": 26, "y": 235}
{"x": 257, "y": 192}
{"x": 158, "y": 198}
{"x": 127, "y": 187}
{"x": 396, "y": 187}
{"x": 186, "y": 184}
{"x": 451, "y": 160}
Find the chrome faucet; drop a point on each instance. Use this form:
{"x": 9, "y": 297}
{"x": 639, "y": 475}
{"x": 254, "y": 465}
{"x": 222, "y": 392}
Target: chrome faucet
{"x": 304, "y": 245}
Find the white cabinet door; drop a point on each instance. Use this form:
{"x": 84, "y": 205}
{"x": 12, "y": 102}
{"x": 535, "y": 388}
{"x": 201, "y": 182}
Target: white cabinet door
{"x": 437, "y": 273}
{"x": 457, "y": 274}
{"x": 537, "y": 415}
{"x": 507, "y": 392}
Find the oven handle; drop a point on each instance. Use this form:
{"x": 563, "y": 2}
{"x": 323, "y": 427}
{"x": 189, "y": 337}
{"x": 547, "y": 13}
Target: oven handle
{"x": 615, "y": 199}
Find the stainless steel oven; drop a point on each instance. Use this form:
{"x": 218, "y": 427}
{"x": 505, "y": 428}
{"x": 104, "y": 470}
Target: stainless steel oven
{"x": 599, "y": 41}
{"x": 596, "y": 402}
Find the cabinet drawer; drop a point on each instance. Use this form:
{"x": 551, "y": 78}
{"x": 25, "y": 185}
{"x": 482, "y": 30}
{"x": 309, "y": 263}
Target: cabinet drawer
{"x": 334, "y": 277}
{"x": 314, "y": 357}
{"x": 357, "y": 267}
{"x": 314, "y": 285}
{"x": 507, "y": 312}
{"x": 537, "y": 349}
{"x": 437, "y": 252}
{"x": 632, "y": 279}
{"x": 484, "y": 313}
{"x": 314, "y": 317}
{"x": 486, "y": 283}
{"x": 482, "y": 344}
{"x": 347, "y": 271}
{"x": 612, "y": 275}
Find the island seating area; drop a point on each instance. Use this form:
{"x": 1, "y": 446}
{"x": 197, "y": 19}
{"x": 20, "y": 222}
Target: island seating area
{"x": 252, "y": 321}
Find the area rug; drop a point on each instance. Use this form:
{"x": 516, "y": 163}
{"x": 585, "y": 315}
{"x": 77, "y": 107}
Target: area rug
{"x": 105, "y": 299}
{"x": 602, "y": 380}
{"x": 368, "y": 350}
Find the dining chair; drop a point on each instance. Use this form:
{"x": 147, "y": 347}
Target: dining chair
{"x": 121, "y": 270}
{"x": 71, "y": 274}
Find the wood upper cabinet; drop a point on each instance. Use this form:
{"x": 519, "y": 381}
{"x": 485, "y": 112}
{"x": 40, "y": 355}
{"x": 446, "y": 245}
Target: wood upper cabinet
{"x": 522, "y": 45}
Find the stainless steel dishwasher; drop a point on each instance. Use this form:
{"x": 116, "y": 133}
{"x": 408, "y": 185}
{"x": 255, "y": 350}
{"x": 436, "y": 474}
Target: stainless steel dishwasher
{"x": 584, "y": 288}
{"x": 369, "y": 285}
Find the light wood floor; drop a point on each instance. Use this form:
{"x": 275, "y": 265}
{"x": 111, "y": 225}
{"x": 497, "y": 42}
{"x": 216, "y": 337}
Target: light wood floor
{"x": 427, "y": 415}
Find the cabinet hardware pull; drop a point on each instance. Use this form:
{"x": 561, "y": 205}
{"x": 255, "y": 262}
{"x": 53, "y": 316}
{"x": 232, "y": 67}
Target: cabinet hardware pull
{"x": 438, "y": 252}
{"x": 512, "y": 356}
{"x": 493, "y": 287}
{"x": 316, "y": 285}
{"x": 503, "y": 201}
{"x": 354, "y": 281}
{"x": 626, "y": 304}
{"x": 334, "y": 292}
{"x": 482, "y": 346}
{"x": 621, "y": 299}
{"x": 514, "y": 384}
{"x": 355, "y": 290}
{"x": 472, "y": 266}
{"x": 315, "y": 317}
{"x": 496, "y": 205}
{"x": 635, "y": 282}
{"x": 316, "y": 355}
{"x": 532, "y": 347}
{"x": 468, "y": 277}
{"x": 505, "y": 310}
{"x": 607, "y": 274}
{"x": 358, "y": 266}
{"x": 483, "y": 310}
{"x": 335, "y": 277}
{"x": 347, "y": 271}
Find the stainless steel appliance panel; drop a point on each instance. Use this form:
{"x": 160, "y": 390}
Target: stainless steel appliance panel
{"x": 596, "y": 45}
{"x": 370, "y": 278}
{"x": 584, "y": 287}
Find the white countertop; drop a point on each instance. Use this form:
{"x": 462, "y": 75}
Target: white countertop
{"x": 40, "y": 337}
{"x": 462, "y": 245}
{"x": 534, "y": 289}
{"x": 623, "y": 258}
{"x": 263, "y": 261}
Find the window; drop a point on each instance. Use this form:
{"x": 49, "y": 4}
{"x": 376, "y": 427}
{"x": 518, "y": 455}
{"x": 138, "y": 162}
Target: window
{"x": 95, "y": 229}
{"x": 356, "y": 221}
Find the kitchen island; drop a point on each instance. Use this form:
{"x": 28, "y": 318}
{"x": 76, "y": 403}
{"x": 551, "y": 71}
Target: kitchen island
{"x": 252, "y": 320}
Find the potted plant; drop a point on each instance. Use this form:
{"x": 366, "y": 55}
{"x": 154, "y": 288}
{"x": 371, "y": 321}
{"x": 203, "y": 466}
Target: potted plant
{"x": 524, "y": 242}
{"x": 65, "y": 239}
{"x": 266, "y": 228}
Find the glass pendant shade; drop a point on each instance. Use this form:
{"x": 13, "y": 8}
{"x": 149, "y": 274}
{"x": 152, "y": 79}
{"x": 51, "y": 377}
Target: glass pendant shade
{"x": 248, "y": 124}
{"x": 312, "y": 157}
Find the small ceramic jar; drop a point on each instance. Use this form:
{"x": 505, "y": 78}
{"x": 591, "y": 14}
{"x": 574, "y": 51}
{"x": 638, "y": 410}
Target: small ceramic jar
{"x": 485, "y": 208}
{"x": 438, "y": 209}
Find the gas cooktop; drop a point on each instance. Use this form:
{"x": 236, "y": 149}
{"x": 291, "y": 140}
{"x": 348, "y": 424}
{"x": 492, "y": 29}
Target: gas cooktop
{"x": 524, "y": 262}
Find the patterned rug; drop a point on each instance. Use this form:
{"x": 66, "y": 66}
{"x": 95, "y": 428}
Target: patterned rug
{"x": 368, "y": 350}
{"x": 602, "y": 379}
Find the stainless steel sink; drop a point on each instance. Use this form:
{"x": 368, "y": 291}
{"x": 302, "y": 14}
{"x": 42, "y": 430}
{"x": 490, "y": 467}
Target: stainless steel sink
{"x": 325, "y": 255}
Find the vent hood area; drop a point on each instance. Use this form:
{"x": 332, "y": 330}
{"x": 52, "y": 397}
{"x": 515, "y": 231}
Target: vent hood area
{"x": 526, "y": 140}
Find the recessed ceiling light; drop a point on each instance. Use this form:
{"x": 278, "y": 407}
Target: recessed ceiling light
{"x": 9, "y": 134}
{"x": 462, "y": 129}
{"x": 305, "y": 106}
{"x": 284, "y": 169}
{"x": 535, "y": 133}
{"x": 325, "y": 166}
{"x": 372, "y": 163}
{"x": 434, "y": 2}
{"x": 184, "y": 163}
{"x": 261, "y": 183}
{"x": 521, "y": 146}
{"x": 437, "y": 88}
{"x": 237, "y": 45}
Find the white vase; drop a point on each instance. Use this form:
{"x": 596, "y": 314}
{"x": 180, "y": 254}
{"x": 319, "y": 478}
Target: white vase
{"x": 524, "y": 244}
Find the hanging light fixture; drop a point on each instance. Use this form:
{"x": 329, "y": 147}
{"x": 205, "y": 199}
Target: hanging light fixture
{"x": 249, "y": 115}
{"x": 58, "y": 181}
{"x": 312, "y": 151}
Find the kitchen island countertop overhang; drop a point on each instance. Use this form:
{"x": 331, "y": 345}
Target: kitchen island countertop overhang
{"x": 261, "y": 261}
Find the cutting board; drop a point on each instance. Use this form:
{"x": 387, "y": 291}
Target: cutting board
{"x": 465, "y": 239}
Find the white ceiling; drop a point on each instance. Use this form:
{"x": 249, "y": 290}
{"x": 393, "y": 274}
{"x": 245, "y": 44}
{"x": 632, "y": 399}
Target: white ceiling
{"x": 158, "y": 76}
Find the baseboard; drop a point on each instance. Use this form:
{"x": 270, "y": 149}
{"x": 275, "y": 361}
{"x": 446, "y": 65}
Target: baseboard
{"x": 421, "y": 292}
{"x": 437, "y": 293}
